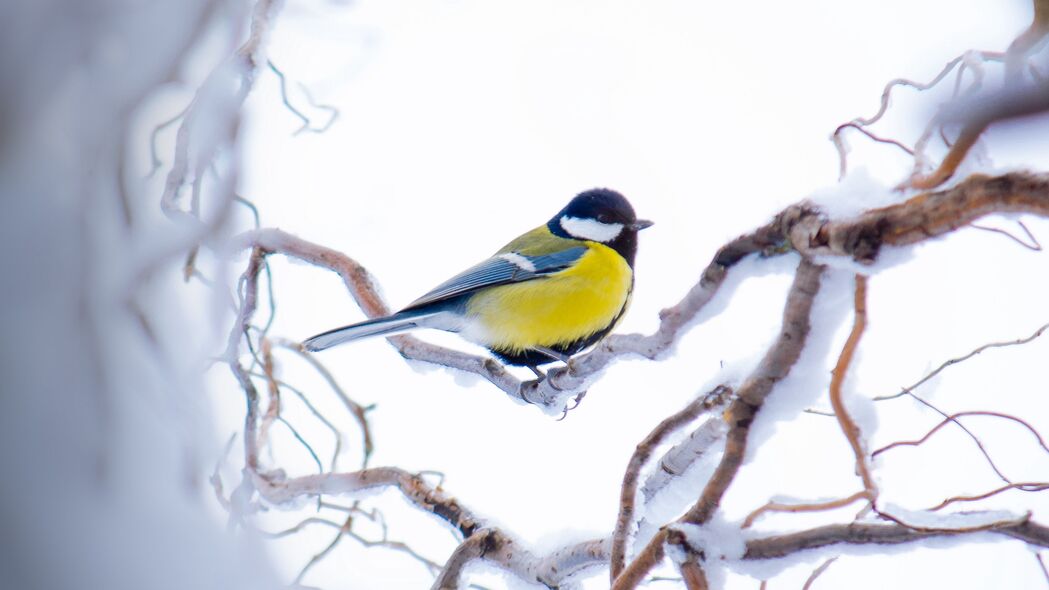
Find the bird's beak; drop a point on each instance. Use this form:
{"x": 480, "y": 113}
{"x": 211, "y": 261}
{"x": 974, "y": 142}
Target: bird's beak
{"x": 640, "y": 224}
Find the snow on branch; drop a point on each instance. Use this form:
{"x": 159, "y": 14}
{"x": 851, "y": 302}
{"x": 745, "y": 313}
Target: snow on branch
{"x": 881, "y": 534}
{"x": 775, "y": 366}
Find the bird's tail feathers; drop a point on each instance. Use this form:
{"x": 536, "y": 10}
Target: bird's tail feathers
{"x": 397, "y": 323}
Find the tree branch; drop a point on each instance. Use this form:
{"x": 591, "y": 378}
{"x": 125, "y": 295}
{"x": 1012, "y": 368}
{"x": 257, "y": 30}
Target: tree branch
{"x": 923, "y": 217}
{"x": 877, "y": 534}
{"x": 848, "y": 426}
{"x": 644, "y": 450}
{"x": 776, "y": 364}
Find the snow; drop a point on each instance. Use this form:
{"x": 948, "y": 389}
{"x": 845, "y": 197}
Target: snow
{"x": 859, "y": 191}
{"x": 718, "y": 541}
{"x": 952, "y": 521}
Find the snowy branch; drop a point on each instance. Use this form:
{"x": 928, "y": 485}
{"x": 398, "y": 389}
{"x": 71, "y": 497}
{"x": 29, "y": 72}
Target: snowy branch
{"x": 775, "y": 366}
{"x": 878, "y": 534}
{"x": 703, "y": 404}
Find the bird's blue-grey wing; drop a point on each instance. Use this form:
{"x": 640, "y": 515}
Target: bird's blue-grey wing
{"x": 500, "y": 269}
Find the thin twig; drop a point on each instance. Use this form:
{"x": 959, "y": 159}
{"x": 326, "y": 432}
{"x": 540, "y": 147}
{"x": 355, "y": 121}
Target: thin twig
{"x": 284, "y": 98}
{"x": 949, "y": 527}
{"x": 1034, "y": 245}
{"x": 298, "y": 437}
{"x": 154, "y": 158}
{"x": 817, "y": 572}
{"x": 317, "y": 557}
{"x": 358, "y": 411}
{"x": 954, "y": 417}
{"x": 1041, "y": 564}
{"x": 838, "y": 138}
{"x": 955, "y": 361}
{"x": 307, "y": 125}
{"x": 1022, "y": 486}
{"x": 316, "y": 414}
{"x": 811, "y": 507}
{"x": 976, "y": 440}
{"x": 324, "y": 107}
{"x": 848, "y": 426}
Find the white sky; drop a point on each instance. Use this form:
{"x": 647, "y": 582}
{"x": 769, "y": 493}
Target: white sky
{"x": 464, "y": 123}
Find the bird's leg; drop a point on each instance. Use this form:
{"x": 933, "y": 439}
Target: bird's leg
{"x": 538, "y": 374}
{"x": 557, "y": 356}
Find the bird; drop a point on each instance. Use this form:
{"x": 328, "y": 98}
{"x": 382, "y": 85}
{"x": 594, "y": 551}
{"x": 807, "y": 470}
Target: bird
{"x": 545, "y": 296}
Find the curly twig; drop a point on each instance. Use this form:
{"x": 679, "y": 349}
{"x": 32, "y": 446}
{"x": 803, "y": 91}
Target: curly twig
{"x": 848, "y": 426}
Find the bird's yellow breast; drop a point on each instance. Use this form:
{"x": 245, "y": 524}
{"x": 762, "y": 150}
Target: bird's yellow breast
{"x": 559, "y": 309}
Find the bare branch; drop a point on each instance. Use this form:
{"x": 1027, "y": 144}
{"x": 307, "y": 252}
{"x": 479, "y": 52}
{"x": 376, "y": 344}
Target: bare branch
{"x": 818, "y": 572}
{"x": 1041, "y": 564}
{"x": 954, "y": 417}
{"x": 976, "y": 440}
{"x": 839, "y": 144}
{"x": 955, "y": 361}
{"x": 848, "y": 426}
{"x": 317, "y": 557}
{"x": 358, "y": 411}
{"x": 813, "y": 507}
{"x": 1034, "y": 245}
{"x": 316, "y": 414}
{"x": 306, "y": 123}
{"x": 1022, "y": 486}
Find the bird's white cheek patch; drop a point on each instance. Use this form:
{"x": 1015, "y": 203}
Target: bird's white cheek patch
{"x": 591, "y": 229}
{"x": 518, "y": 261}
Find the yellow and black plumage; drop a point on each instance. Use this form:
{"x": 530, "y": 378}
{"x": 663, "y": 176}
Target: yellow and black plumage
{"x": 545, "y": 296}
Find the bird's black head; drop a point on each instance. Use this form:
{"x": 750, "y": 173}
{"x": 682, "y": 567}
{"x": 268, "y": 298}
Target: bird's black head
{"x": 600, "y": 215}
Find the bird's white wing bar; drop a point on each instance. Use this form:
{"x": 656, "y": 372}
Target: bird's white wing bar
{"x": 500, "y": 270}
{"x": 521, "y": 261}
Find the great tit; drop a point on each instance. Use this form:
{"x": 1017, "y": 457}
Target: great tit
{"x": 543, "y": 297}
